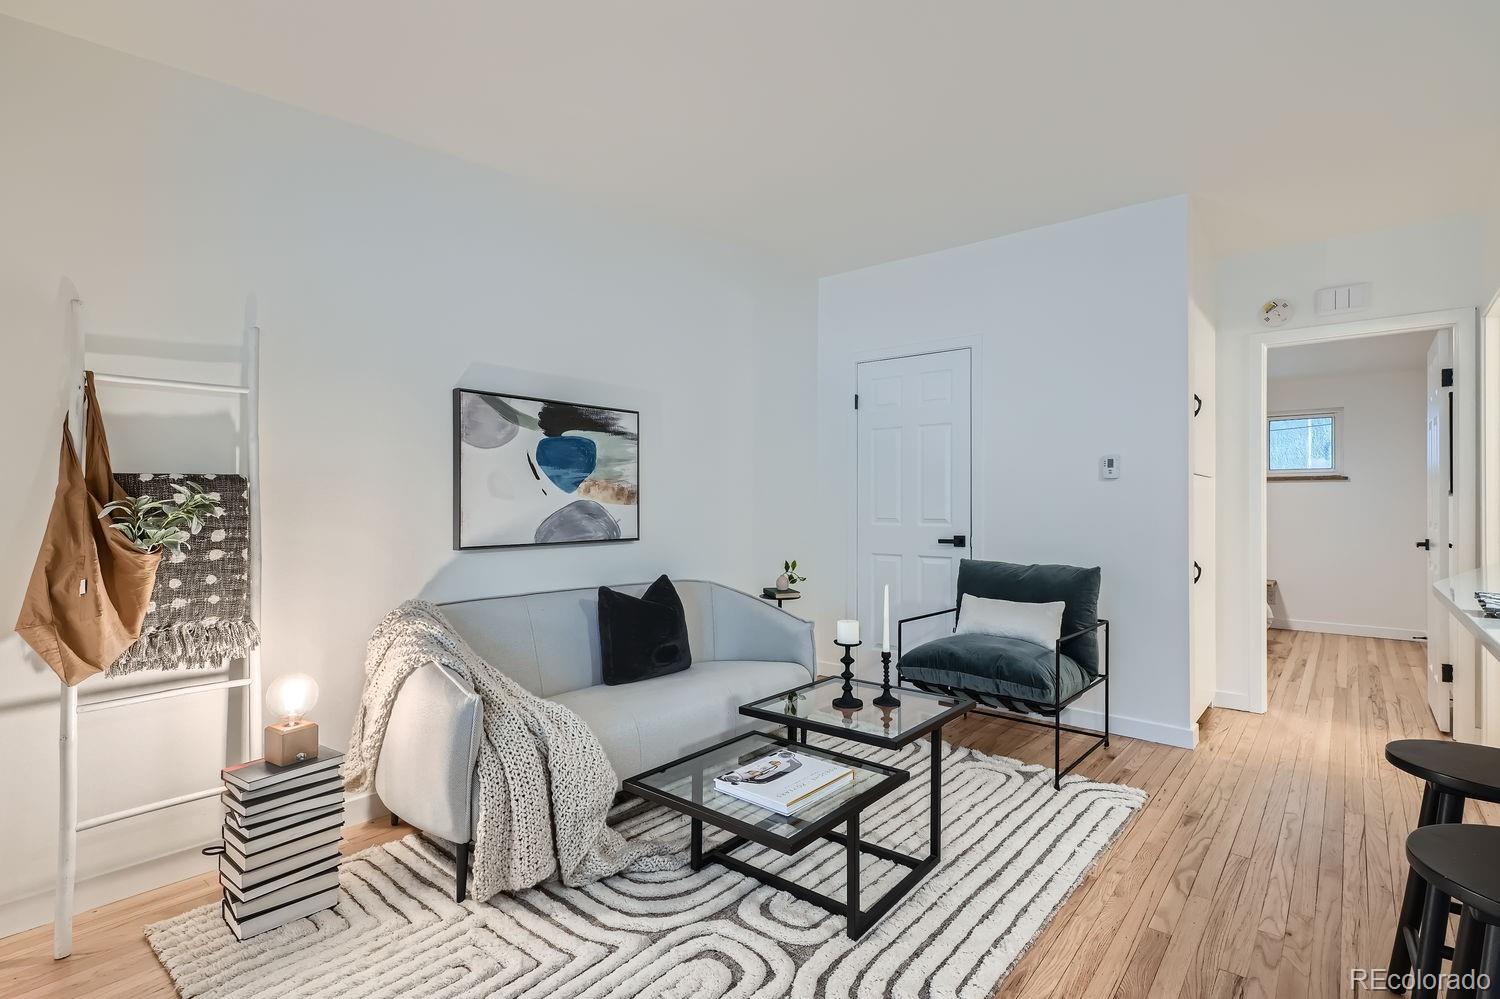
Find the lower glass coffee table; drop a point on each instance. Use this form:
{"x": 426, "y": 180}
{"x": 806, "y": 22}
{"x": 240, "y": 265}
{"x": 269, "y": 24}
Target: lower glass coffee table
{"x": 687, "y": 786}
{"x": 811, "y": 708}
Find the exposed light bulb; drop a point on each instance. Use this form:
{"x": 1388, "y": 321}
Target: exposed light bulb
{"x": 292, "y": 696}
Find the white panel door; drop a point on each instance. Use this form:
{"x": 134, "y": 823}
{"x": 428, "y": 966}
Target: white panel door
{"x": 913, "y": 488}
{"x": 1439, "y": 524}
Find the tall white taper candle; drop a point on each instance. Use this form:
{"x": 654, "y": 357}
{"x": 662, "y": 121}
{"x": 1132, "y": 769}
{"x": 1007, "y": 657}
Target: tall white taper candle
{"x": 885, "y": 634}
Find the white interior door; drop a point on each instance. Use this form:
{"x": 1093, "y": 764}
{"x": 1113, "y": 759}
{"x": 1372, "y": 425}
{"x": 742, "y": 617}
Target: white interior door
{"x": 1440, "y": 520}
{"x": 914, "y": 487}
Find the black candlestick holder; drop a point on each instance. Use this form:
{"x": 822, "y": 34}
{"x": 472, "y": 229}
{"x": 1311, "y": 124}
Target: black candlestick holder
{"x": 847, "y": 701}
{"x": 886, "y": 698}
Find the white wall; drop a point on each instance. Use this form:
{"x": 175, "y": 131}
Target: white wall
{"x": 1082, "y": 328}
{"x": 1420, "y": 268}
{"x": 1343, "y": 553}
{"x": 384, "y": 275}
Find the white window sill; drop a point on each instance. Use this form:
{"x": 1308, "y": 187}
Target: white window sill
{"x": 1308, "y": 477}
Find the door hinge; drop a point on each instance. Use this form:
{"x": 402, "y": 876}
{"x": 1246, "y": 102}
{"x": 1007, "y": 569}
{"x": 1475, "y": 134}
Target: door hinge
{"x": 1447, "y": 378}
{"x": 1447, "y": 672}
{"x": 856, "y": 400}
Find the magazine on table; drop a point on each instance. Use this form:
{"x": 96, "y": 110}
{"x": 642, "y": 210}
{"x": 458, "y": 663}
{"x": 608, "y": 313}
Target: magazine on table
{"x": 785, "y": 781}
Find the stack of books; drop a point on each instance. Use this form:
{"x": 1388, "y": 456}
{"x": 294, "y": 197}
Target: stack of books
{"x": 786, "y": 781}
{"x": 281, "y": 841}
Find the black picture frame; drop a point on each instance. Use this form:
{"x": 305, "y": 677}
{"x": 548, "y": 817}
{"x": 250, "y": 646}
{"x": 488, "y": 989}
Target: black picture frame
{"x": 457, "y": 431}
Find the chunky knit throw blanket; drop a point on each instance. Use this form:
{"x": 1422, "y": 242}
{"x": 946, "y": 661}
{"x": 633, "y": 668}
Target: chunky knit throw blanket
{"x": 545, "y": 785}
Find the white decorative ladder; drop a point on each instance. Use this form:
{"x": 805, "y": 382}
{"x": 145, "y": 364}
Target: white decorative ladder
{"x": 247, "y": 463}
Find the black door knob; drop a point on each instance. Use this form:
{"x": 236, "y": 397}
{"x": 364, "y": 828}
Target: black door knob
{"x": 957, "y": 541}
{"x": 1425, "y": 543}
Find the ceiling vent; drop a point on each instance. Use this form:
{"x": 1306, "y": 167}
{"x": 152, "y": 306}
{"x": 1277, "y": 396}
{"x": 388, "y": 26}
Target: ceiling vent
{"x": 1344, "y": 298}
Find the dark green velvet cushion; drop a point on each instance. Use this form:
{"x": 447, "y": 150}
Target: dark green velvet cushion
{"x": 1005, "y": 666}
{"x": 1042, "y": 584}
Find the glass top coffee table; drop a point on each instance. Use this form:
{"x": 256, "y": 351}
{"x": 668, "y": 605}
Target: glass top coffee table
{"x": 810, "y": 708}
{"x": 687, "y": 786}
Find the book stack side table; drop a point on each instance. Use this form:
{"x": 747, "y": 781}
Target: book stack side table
{"x": 282, "y": 827}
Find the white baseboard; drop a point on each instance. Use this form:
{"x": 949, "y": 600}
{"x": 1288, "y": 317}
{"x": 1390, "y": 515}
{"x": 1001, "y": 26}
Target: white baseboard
{"x": 363, "y": 807}
{"x": 32, "y": 911}
{"x": 1135, "y": 728}
{"x": 1355, "y": 630}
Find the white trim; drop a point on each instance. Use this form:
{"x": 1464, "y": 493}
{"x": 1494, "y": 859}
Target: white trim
{"x": 1489, "y": 498}
{"x": 1250, "y": 607}
{"x": 1354, "y": 630}
{"x": 1134, "y": 728}
{"x": 1489, "y": 433}
{"x": 851, "y": 362}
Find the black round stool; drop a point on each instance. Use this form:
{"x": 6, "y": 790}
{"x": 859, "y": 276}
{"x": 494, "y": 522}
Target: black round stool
{"x": 1460, "y": 863}
{"x": 1452, "y": 773}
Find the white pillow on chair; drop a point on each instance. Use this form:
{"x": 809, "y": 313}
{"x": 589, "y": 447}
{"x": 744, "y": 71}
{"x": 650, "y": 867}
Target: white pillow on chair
{"x": 1040, "y": 624}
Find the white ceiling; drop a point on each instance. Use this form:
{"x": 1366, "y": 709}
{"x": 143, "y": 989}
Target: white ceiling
{"x": 1392, "y": 352}
{"x": 840, "y": 133}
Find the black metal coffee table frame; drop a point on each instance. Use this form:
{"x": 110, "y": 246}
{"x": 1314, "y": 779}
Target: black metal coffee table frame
{"x": 847, "y": 814}
{"x": 919, "y": 867}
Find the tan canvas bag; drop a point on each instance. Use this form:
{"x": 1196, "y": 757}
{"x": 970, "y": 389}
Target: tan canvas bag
{"x": 90, "y": 586}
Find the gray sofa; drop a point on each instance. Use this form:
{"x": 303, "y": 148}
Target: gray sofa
{"x": 743, "y": 648}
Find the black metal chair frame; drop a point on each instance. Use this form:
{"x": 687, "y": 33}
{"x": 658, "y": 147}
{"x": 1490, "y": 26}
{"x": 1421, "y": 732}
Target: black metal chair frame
{"x": 1002, "y": 706}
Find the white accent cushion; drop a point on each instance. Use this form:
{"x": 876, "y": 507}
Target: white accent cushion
{"x": 1040, "y": 624}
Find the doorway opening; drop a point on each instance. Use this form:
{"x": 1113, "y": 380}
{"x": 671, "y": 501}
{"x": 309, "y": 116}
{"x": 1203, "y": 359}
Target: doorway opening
{"x": 1359, "y": 496}
{"x": 1247, "y": 603}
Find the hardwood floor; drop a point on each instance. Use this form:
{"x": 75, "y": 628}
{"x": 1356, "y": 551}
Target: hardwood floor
{"x": 1267, "y": 863}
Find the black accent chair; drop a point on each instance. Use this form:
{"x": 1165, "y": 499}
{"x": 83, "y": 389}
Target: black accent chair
{"x": 1012, "y": 678}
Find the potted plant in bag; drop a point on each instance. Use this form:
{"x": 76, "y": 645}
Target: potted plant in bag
{"x": 164, "y": 525}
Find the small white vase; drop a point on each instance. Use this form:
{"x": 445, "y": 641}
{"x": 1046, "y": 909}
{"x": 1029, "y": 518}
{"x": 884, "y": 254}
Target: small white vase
{"x": 782, "y": 583}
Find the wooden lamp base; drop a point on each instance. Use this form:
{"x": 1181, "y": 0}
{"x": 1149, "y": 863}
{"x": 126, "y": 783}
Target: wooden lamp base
{"x": 291, "y": 742}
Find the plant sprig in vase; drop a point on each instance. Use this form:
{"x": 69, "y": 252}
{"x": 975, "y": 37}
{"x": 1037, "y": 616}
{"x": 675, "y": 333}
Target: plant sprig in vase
{"x": 789, "y": 576}
{"x": 164, "y": 525}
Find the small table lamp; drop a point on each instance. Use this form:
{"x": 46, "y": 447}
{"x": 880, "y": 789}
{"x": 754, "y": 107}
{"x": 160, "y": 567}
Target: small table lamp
{"x": 293, "y": 738}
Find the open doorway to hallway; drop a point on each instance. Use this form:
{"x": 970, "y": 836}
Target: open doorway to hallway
{"x": 1359, "y": 491}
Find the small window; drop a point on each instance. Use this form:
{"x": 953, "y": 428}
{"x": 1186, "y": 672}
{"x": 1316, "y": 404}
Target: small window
{"x": 1303, "y": 444}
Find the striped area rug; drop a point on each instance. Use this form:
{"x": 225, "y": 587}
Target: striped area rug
{"x": 1013, "y": 850}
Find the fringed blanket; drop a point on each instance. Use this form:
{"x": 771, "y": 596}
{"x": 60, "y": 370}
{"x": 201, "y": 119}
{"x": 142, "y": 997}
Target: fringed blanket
{"x": 199, "y": 615}
{"x": 545, "y": 785}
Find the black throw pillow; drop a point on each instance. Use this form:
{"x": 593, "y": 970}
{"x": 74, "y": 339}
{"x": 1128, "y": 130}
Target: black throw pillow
{"x": 642, "y": 637}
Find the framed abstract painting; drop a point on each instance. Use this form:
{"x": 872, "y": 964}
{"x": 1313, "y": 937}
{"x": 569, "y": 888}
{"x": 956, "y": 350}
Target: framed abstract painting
{"x": 532, "y": 471}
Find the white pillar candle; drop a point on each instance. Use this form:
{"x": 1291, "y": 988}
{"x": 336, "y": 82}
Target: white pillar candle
{"x": 885, "y": 634}
{"x": 848, "y": 632}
